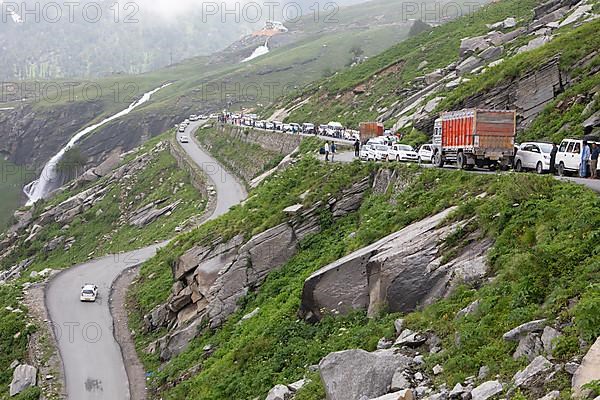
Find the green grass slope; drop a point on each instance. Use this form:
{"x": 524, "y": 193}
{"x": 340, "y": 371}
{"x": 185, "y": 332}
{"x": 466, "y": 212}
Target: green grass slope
{"x": 386, "y": 75}
{"x": 544, "y": 260}
{"x": 101, "y": 230}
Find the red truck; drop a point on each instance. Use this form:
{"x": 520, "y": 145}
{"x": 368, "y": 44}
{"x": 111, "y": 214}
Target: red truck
{"x": 370, "y": 130}
{"x": 474, "y": 137}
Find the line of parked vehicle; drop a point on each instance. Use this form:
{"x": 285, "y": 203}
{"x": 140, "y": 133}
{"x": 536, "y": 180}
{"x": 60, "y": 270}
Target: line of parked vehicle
{"x": 541, "y": 157}
{"x": 182, "y": 127}
{"x": 466, "y": 138}
{"x": 332, "y": 129}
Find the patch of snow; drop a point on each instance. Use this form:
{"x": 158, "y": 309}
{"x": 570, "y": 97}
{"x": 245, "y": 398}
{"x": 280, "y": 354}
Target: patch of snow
{"x": 259, "y": 51}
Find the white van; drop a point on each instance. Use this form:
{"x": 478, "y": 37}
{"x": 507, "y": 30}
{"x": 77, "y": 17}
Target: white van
{"x": 568, "y": 157}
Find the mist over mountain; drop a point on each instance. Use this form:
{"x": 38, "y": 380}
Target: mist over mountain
{"x": 88, "y": 39}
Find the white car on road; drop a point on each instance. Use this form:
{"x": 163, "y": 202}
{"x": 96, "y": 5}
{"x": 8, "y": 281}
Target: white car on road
{"x": 381, "y": 152}
{"x": 426, "y": 153}
{"x": 367, "y": 153}
{"x": 534, "y": 156}
{"x": 184, "y": 139}
{"x": 402, "y": 152}
{"x": 89, "y": 292}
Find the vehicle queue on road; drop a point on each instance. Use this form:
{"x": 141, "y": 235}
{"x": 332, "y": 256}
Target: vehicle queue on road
{"x": 571, "y": 157}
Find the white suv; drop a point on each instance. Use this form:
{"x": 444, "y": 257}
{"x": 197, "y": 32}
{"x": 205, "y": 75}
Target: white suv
{"x": 568, "y": 157}
{"x": 534, "y": 156}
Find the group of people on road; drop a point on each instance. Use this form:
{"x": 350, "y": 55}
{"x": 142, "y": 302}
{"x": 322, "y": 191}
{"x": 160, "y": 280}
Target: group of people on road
{"x": 589, "y": 160}
{"x": 329, "y": 150}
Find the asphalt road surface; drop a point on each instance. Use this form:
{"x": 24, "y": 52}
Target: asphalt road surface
{"x": 92, "y": 360}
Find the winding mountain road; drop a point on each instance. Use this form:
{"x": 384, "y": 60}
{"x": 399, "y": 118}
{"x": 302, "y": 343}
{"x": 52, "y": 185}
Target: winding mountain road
{"x": 92, "y": 360}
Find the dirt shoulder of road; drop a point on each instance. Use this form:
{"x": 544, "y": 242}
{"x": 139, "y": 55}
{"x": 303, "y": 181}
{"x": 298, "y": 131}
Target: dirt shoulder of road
{"x": 42, "y": 346}
{"x": 118, "y": 309}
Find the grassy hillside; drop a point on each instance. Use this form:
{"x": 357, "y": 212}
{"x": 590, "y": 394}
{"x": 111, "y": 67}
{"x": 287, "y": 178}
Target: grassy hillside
{"x": 395, "y": 68}
{"x": 385, "y": 76}
{"x": 12, "y": 179}
{"x": 98, "y": 231}
{"x": 103, "y": 228}
{"x": 543, "y": 259}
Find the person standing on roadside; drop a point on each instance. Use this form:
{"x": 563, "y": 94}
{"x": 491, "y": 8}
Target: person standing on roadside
{"x": 326, "y": 151}
{"x": 594, "y": 160}
{"x": 333, "y": 149}
{"x": 553, "y": 158}
{"x": 585, "y": 159}
{"x": 357, "y": 148}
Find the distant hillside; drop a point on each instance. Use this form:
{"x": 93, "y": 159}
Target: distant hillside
{"x": 544, "y": 59}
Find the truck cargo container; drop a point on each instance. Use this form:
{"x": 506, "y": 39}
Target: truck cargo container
{"x": 370, "y": 130}
{"x": 474, "y": 137}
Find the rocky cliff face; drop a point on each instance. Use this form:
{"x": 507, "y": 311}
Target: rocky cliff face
{"x": 212, "y": 278}
{"x": 31, "y": 135}
{"x": 400, "y": 272}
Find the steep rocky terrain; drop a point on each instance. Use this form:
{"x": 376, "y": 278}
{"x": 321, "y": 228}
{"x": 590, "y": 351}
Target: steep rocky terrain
{"x": 129, "y": 201}
{"x": 47, "y": 114}
{"x": 508, "y": 57}
{"x": 324, "y": 258}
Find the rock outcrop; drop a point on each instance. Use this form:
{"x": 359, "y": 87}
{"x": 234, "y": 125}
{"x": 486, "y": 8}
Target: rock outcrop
{"x": 589, "y": 370}
{"x": 401, "y": 272}
{"x": 357, "y": 374}
{"x": 24, "y": 376}
{"x": 212, "y": 278}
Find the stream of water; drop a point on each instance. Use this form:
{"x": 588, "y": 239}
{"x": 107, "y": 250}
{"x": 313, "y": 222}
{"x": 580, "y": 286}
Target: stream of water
{"x": 40, "y": 188}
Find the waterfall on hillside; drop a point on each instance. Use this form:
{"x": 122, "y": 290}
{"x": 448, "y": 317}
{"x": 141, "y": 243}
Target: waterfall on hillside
{"x": 40, "y": 188}
{"x": 259, "y": 51}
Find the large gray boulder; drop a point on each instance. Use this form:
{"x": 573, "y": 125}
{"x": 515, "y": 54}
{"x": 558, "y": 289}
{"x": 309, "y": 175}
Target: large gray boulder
{"x": 524, "y": 329}
{"x": 486, "y": 390}
{"x": 469, "y": 65}
{"x": 356, "y": 374}
{"x": 530, "y": 346}
{"x": 589, "y": 370}
{"x": 279, "y": 392}
{"x": 400, "y": 272}
{"x": 549, "y": 337}
{"x": 24, "y": 376}
{"x": 492, "y": 53}
{"x": 174, "y": 343}
{"x": 473, "y": 45}
{"x": 264, "y": 253}
{"x": 533, "y": 373}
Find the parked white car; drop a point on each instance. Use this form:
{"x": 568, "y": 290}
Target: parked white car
{"x": 568, "y": 157}
{"x": 269, "y": 125}
{"x": 381, "y": 152}
{"x": 89, "y": 292}
{"x": 533, "y": 156}
{"x": 402, "y": 152}
{"x": 367, "y": 153}
{"x": 426, "y": 153}
{"x": 182, "y": 128}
